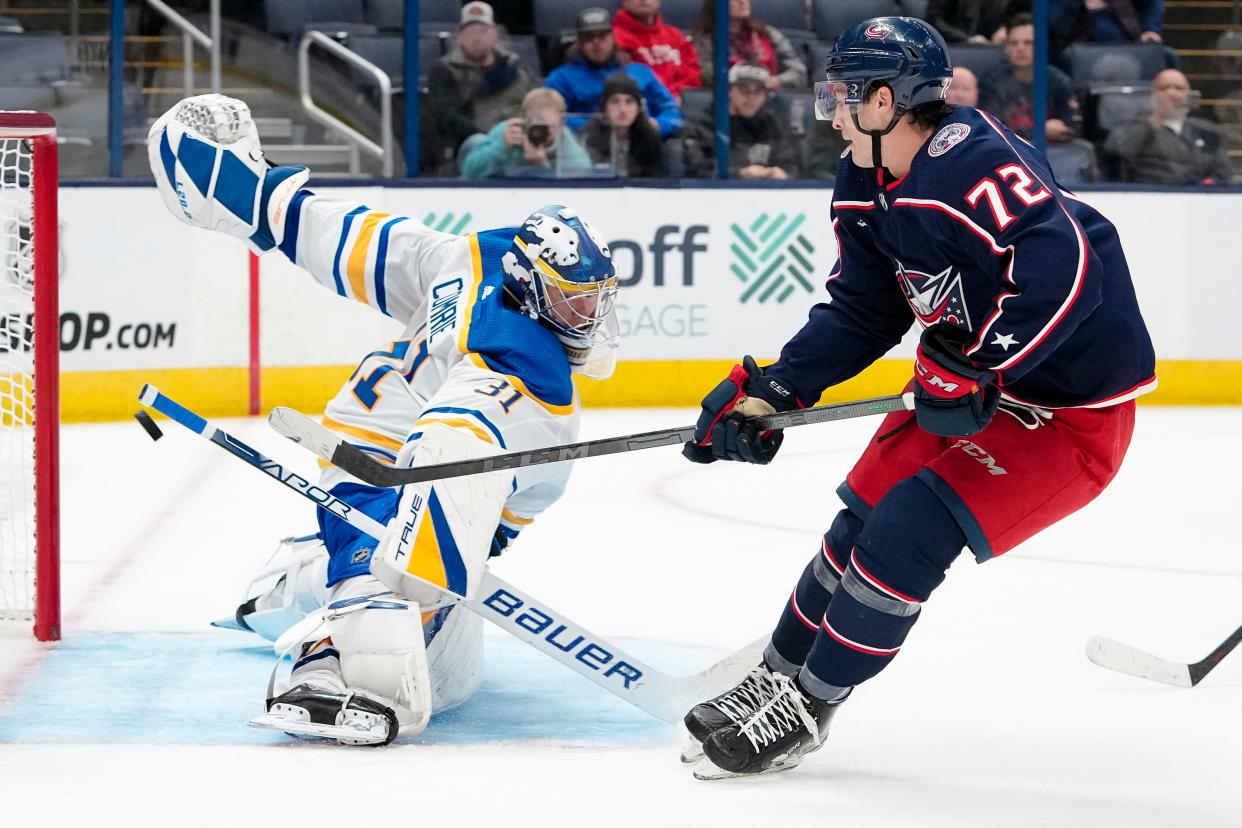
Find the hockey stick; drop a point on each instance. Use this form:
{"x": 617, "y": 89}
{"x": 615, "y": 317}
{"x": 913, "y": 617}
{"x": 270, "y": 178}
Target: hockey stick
{"x": 301, "y": 429}
{"x": 1126, "y": 659}
{"x": 550, "y": 632}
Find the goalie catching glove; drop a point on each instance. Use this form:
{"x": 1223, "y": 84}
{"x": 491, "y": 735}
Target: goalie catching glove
{"x": 726, "y": 429}
{"x": 210, "y": 171}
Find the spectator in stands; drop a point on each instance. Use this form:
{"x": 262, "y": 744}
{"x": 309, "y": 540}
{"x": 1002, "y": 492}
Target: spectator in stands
{"x": 1006, "y": 91}
{"x": 977, "y": 22}
{"x": 964, "y": 90}
{"x": 1105, "y": 21}
{"x": 618, "y": 135}
{"x": 758, "y": 146}
{"x": 534, "y": 145}
{"x": 473, "y": 87}
{"x": 1168, "y": 146}
{"x": 750, "y": 41}
{"x": 592, "y": 59}
{"x": 639, "y": 30}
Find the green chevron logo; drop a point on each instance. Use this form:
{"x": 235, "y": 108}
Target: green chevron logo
{"x": 772, "y": 258}
{"x": 447, "y": 223}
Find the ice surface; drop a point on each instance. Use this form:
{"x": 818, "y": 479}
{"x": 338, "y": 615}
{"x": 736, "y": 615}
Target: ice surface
{"x": 991, "y": 716}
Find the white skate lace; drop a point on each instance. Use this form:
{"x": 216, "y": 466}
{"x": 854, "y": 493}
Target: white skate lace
{"x": 756, "y": 690}
{"x": 779, "y": 717}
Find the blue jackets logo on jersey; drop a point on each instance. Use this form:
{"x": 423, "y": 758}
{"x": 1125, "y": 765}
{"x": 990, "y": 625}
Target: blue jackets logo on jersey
{"x": 935, "y": 298}
{"x": 947, "y": 138}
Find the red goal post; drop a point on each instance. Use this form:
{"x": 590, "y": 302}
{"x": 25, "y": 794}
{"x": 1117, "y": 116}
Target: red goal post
{"x": 29, "y": 374}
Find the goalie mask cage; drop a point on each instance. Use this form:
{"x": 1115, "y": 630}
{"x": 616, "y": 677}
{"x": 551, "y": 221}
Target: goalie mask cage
{"x": 29, "y": 372}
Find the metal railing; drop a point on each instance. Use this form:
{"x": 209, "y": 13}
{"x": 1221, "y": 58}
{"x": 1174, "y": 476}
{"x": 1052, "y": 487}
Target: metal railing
{"x": 383, "y": 150}
{"x": 191, "y": 34}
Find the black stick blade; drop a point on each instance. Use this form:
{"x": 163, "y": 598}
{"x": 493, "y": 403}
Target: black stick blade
{"x": 148, "y": 425}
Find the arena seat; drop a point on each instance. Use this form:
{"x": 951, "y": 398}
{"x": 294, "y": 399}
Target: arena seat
{"x": 978, "y": 59}
{"x": 32, "y": 58}
{"x": 684, "y": 14}
{"x": 784, "y": 14}
{"x": 829, "y": 18}
{"x": 289, "y": 18}
{"x": 556, "y": 17}
{"x": 1094, "y": 64}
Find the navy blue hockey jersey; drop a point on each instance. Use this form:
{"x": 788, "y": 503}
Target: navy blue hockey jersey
{"x": 978, "y": 234}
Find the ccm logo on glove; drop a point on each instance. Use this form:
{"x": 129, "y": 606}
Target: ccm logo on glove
{"x": 953, "y": 397}
{"x": 934, "y": 383}
{"x": 727, "y": 430}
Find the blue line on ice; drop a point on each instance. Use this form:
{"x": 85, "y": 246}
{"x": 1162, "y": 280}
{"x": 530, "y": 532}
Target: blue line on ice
{"x": 200, "y": 688}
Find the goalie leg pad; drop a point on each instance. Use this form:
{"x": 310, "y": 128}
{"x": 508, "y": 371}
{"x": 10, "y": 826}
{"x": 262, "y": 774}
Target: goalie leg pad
{"x": 282, "y": 594}
{"x": 382, "y": 651}
{"x": 367, "y": 643}
{"x": 441, "y": 537}
{"x": 455, "y": 659}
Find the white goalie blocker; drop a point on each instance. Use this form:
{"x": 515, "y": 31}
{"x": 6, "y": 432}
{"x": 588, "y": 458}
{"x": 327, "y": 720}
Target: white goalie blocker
{"x": 441, "y": 534}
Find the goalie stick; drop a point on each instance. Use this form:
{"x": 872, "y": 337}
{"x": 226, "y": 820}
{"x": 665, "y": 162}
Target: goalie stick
{"x": 301, "y": 429}
{"x": 1126, "y": 659}
{"x": 518, "y": 613}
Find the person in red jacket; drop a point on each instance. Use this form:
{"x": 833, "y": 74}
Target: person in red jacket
{"x": 639, "y": 30}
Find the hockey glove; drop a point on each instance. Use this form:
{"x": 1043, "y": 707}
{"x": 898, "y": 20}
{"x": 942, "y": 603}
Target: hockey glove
{"x": 210, "y": 171}
{"x": 726, "y": 429}
{"x": 952, "y": 396}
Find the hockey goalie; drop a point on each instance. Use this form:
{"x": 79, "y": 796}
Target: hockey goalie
{"x": 496, "y": 323}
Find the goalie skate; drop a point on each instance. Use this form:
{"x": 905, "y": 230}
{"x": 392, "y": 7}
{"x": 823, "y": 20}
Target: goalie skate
{"x": 350, "y": 718}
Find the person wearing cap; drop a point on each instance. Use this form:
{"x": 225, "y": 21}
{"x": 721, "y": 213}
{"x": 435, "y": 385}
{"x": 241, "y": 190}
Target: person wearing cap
{"x": 759, "y": 147}
{"x": 639, "y": 30}
{"x": 532, "y": 145}
{"x": 619, "y": 136}
{"x": 593, "y": 59}
{"x": 471, "y": 89}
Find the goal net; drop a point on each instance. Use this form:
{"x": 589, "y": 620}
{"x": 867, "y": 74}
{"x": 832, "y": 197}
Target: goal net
{"x": 29, "y": 358}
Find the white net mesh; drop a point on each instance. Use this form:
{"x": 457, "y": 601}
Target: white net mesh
{"x": 17, "y": 453}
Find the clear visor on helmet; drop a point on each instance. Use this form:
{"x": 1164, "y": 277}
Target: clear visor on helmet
{"x": 830, "y": 94}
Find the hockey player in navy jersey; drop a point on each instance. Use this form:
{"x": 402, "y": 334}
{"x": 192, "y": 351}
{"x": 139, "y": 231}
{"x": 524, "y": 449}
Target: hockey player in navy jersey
{"x": 496, "y": 323}
{"x": 1032, "y": 353}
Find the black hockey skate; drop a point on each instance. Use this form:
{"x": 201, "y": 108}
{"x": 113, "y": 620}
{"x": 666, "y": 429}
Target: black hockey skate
{"x": 351, "y": 718}
{"x": 731, "y": 707}
{"x": 773, "y": 739}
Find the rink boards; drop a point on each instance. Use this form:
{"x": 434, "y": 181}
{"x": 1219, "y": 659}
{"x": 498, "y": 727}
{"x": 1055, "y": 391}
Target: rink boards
{"x": 707, "y": 274}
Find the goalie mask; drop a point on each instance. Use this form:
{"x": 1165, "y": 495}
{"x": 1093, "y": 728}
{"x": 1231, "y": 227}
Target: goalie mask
{"x": 559, "y": 271}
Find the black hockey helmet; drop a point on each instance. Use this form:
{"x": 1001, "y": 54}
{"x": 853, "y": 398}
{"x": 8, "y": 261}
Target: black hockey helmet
{"x": 906, "y": 54}
{"x": 903, "y": 53}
